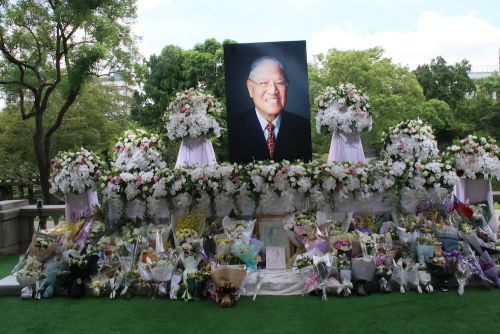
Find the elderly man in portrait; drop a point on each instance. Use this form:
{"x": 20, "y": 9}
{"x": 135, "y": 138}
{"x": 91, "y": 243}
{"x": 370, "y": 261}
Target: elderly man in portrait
{"x": 268, "y": 132}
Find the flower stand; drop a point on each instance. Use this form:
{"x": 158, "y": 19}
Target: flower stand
{"x": 346, "y": 147}
{"x": 80, "y": 205}
{"x": 195, "y": 151}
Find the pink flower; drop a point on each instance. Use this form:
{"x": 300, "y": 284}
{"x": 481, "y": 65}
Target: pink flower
{"x": 138, "y": 181}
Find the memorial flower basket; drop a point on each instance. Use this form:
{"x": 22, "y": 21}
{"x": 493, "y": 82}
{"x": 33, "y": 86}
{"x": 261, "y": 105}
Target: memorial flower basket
{"x": 192, "y": 117}
{"x": 345, "y": 111}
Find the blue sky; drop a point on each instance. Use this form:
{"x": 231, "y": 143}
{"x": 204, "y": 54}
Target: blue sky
{"x": 411, "y": 31}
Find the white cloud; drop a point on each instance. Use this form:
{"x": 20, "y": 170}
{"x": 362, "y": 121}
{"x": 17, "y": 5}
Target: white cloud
{"x": 453, "y": 38}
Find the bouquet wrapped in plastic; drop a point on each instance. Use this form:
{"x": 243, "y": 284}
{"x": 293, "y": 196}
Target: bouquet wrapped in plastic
{"x": 443, "y": 266}
{"x": 425, "y": 247}
{"x": 161, "y": 270}
{"x": 247, "y": 254}
{"x": 463, "y": 274}
{"x": 303, "y": 264}
{"x": 238, "y": 230}
{"x": 324, "y": 266}
{"x": 30, "y": 277}
{"x": 400, "y": 275}
{"x": 489, "y": 268}
{"x": 341, "y": 284}
{"x": 363, "y": 270}
{"x": 383, "y": 272}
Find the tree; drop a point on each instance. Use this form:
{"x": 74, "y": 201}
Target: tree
{"x": 394, "y": 91}
{"x": 174, "y": 70}
{"x": 93, "y": 122}
{"x": 59, "y": 44}
{"x": 481, "y": 111}
{"x": 449, "y": 83}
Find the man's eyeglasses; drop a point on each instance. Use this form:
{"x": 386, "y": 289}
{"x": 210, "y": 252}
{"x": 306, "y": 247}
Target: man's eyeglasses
{"x": 280, "y": 84}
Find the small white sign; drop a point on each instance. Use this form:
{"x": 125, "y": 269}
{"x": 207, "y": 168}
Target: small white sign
{"x": 275, "y": 257}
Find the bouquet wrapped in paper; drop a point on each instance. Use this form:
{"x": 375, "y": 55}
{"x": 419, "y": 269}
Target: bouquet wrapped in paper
{"x": 227, "y": 280}
{"x": 43, "y": 246}
{"x": 342, "y": 244}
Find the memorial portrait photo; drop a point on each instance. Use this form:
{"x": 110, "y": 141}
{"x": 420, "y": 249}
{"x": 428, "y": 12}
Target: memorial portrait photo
{"x": 267, "y": 101}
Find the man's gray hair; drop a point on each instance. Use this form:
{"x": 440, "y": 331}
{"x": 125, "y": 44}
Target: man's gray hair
{"x": 259, "y": 61}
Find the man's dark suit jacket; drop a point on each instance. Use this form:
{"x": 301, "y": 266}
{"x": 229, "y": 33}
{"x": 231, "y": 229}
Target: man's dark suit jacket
{"x": 247, "y": 141}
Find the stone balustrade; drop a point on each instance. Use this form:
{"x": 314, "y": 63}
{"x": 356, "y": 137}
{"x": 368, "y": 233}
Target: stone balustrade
{"x": 17, "y": 223}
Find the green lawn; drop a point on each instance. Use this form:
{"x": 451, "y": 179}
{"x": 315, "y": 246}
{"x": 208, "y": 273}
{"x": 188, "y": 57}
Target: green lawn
{"x": 478, "y": 310}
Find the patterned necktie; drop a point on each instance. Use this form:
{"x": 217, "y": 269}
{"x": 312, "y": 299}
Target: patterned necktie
{"x": 270, "y": 139}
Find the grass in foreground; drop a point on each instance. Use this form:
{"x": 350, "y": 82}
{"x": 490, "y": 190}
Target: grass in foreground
{"x": 478, "y": 310}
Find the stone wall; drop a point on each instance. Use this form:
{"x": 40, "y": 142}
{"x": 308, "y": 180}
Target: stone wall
{"x": 15, "y": 231}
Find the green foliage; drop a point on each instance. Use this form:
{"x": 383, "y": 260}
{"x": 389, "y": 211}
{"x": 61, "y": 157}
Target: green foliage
{"x": 49, "y": 51}
{"x": 449, "y": 83}
{"x": 175, "y": 70}
{"x": 393, "y": 90}
{"x": 94, "y": 121}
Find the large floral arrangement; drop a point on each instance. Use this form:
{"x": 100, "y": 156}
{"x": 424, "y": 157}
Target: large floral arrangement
{"x": 193, "y": 114}
{"x": 343, "y": 108}
{"x": 475, "y": 158}
{"x": 75, "y": 172}
{"x": 138, "y": 150}
{"x": 410, "y": 140}
{"x": 412, "y": 156}
{"x": 136, "y": 175}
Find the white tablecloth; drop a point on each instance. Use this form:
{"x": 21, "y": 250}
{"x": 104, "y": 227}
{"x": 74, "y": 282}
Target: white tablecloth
{"x": 346, "y": 147}
{"x": 197, "y": 151}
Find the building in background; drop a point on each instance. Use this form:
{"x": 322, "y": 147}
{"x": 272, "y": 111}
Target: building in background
{"x": 125, "y": 90}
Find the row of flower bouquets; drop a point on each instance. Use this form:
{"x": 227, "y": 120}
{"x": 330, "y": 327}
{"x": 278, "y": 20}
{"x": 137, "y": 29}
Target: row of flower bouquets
{"x": 217, "y": 260}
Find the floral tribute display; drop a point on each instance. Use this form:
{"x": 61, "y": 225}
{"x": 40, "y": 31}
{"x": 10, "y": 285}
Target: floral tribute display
{"x": 193, "y": 114}
{"x": 75, "y": 172}
{"x": 343, "y": 108}
{"x": 76, "y": 176}
{"x": 163, "y": 233}
{"x": 475, "y": 158}
{"x": 131, "y": 185}
{"x": 409, "y": 148}
{"x": 410, "y": 140}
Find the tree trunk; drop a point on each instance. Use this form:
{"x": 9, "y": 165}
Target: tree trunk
{"x": 42, "y": 158}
